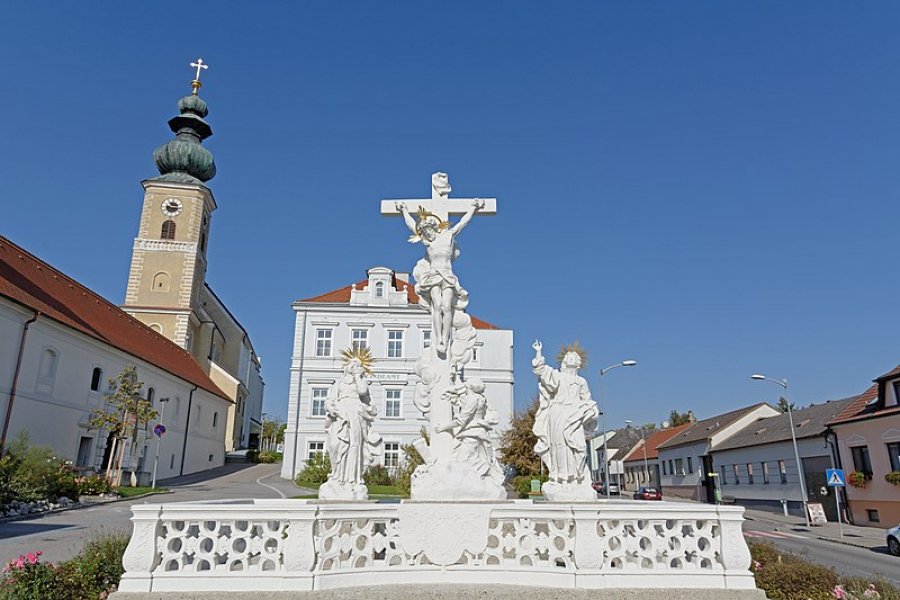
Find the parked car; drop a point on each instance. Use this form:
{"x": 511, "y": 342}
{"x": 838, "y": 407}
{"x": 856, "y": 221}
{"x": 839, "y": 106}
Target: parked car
{"x": 893, "y": 540}
{"x": 601, "y": 489}
{"x": 647, "y": 493}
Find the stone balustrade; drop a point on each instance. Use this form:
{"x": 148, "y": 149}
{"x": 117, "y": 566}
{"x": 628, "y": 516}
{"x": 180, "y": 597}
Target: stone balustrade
{"x": 261, "y": 545}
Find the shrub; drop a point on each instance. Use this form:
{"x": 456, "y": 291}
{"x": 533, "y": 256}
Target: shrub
{"x": 315, "y": 473}
{"x": 522, "y": 484}
{"x": 253, "y": 455}
{"x": 93, "y": 485}
{"x": 26, "y": 578}
{"x": 378, "y": 475}
{"x": 268, "y": 456}
{"x": 32, "y": 473}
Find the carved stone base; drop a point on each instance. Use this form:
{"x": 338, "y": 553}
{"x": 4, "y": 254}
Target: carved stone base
{"x": 568, "y": 492}
{"x": 332, "y": 490}
{"x": 450, "y": 480}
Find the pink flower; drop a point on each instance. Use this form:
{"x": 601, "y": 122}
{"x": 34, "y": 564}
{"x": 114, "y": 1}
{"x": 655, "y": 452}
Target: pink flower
{"x": 756, "y": 565}
{"x": 840, "y": 593}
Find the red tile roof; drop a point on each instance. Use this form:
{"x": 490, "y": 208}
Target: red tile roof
{"x": 29, "y": 281}
{"x": 653, "y": 441}
{"x": 342, "y": 296}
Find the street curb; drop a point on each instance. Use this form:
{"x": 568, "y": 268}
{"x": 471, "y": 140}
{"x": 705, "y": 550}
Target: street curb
{"x": 76, "y": 506}
{"x": 845, "y": 543}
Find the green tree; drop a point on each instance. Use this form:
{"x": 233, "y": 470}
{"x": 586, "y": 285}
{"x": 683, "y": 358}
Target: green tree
{"x": 517, "y": 442}
{"x": 125, "y": 414}
{"x": 272, "y": 429}
{"x": 783, "y": 405}
{"x": 676, "y": 418}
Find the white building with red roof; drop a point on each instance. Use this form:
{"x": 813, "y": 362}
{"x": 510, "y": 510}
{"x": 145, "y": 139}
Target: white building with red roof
{"x": 61, "y": 343}
{"x": 382, "y": 313}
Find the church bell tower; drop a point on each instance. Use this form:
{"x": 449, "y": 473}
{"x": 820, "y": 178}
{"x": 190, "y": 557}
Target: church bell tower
{"x": 168, "y": 264}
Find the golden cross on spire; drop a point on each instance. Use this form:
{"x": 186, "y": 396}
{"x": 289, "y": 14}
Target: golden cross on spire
{"x": 199, "y": 65}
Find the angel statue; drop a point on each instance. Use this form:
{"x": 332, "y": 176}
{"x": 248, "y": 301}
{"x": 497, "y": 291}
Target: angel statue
{"x": 352, "y": 444}
{"x": 565, "y": 412}
{"x": 438, "y": 287}
{"x": 472, "y": 427}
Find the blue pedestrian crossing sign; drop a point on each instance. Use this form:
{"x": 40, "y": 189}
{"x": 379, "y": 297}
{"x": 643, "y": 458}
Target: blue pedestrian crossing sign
{"x": 835, "y": 477}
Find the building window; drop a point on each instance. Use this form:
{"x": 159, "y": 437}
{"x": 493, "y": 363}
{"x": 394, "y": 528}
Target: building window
{"x": 49, "y": 362}
{"x": 315, "y": 449}
{"x": 861, "y": 460}
{"x": 724, "y": 474}
{"x": 379, "y": 289}
{"x": 749, "y": 473}
{"x": 690, "y": 462}
{"x": 160, "y": 282}
{"x": 392, "y": 454}
{"x": 359, "y": 338}
{"x": 323, "y": 342}
{"x": 737, "y": 474}
{"x": 172, "y": 461}
{"x": 151, "y": 394}
{"x": 215, "y": 419}
{"x": 782, "y": 470}
{"x": 96, "y": 378}
{"x": 894, "y": 455}
{"x": 426, "y": 339}
{"x": 476, "y": 352}
{"x": 679, "y": 466}
{"x": 665, "y": 471}
{"x": 765, "y": 471}
{"x": 873, "y": 515}
{"x": 392, "y": 403}
{"x": 395, "y": 343}
{"x": 210, "y": 458}
{"x": 319, "y": 395}
{"x": 671, "y": 467}
{"x": 168, "y": 230}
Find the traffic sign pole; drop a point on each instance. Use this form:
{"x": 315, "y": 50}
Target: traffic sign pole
{"x": 837, "y": 503}
{"x": 835, "y": 479}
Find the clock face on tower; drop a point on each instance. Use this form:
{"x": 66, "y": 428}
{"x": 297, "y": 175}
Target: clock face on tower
{"x": 171, "y": 207}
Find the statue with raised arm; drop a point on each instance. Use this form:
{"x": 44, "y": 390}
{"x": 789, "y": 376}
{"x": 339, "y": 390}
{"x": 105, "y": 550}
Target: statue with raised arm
{"x": 438, "y": 287}
{"x": 352, "y": 444}
{"x": 566, "y": 411}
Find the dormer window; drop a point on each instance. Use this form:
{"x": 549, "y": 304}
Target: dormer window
{"x": 379, "y": 289}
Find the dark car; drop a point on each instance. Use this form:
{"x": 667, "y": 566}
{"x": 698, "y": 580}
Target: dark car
{"x": 647, "y": 493}
{"x": 600, "y": 488}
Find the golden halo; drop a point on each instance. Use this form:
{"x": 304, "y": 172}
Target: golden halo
{"x": 423, "y": 214}
{"x": 363, "y": 355}
{"x": 575, "y": 347}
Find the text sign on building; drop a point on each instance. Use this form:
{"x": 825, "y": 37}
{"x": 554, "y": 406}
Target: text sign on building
{"x": 390, "y": 377}
{"x": 835, "y": 477}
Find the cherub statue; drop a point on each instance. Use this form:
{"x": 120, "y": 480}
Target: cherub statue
{"x": 566, "y": 411}
{"x": 436, "y": 284}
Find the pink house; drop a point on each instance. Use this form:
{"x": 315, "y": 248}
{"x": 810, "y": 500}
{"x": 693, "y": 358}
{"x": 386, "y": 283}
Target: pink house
{"x": 868, "y": 437}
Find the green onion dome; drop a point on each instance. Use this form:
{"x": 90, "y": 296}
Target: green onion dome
{"x": 184, "y": 159}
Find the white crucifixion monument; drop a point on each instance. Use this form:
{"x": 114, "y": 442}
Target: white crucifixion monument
{"x": 453, "y": 469}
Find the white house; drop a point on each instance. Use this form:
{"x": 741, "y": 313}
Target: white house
{"x": 686, "y": 460}
{"x": 757, "y": 467}
{"x": 60, "y": 343}
{"x": 382, "y": 313}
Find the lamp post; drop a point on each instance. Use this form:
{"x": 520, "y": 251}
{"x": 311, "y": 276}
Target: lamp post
{"x": 162, "y": 411}
{"x": 644, "y": 446}
{"x": 604, "y": 371}
{"x": 784, "y": 384}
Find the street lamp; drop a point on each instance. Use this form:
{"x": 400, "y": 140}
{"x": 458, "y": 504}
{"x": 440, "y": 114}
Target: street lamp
{"x": 784, "y": 384}
{"x": 163, "y": 402}
{"x": 604, "y": 371}
{"x": 644, "y": 446}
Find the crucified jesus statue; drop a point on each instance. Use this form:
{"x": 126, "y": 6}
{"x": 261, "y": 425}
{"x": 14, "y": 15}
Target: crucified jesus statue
{"x": 436, "y": 283}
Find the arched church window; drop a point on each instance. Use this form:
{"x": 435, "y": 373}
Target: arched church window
{"x": 379, "y": 289}
{"x": 161, "y": 282}
{"x": 151, "y": 394}
{"x": 49, "y": 360}
{"x": 156, "y": 327}
{"x": 168, "y": 230}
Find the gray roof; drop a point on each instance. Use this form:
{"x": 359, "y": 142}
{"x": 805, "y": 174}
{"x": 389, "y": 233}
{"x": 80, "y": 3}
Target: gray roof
{"x": 625, "y": 438}
{"x": 705, "y": 429}
{"x": 808, "y": 422}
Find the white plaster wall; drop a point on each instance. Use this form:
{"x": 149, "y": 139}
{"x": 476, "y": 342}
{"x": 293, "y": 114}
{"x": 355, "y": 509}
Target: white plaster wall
{"x": 494, "y": 367}
{"x": 694, "y": 451}
{"x": 56, "y": 413}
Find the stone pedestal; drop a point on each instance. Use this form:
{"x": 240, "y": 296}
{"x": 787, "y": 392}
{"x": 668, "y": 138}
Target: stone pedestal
{"x": 451, "y": 480}
{"x": 332, "y": 490}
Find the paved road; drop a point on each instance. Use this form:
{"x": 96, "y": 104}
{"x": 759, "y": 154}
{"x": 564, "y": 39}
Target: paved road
{"x": 61, "y": 535}
{"x": 847, "y": 560}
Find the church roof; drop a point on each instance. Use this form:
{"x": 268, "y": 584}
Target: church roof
{"x": 342, "y": 296}
{"x": 29, "y": 281}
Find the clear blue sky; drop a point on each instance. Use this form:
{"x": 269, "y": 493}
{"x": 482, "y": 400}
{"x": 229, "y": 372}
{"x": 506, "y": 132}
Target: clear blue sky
{"x": 710, "y": 188}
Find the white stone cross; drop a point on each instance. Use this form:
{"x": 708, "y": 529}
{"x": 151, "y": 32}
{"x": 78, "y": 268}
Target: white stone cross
{"x": 199, "y": 65}
{"x": 440, "y": 204}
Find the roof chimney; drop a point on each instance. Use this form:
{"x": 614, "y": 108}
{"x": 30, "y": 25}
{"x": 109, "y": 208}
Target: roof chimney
{"x": 691, "y": 417}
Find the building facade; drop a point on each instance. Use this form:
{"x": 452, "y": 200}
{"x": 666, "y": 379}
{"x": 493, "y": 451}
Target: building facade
{"x": 686, "y": 459}
{"x": 868, "y": 436}
{"x": 167, "y": 288}
{"x": 60, "y": 344}
{"x": 641, "y": 466}
{"x": 381, "y": 313}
